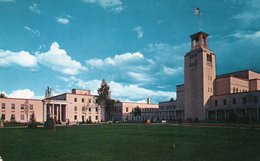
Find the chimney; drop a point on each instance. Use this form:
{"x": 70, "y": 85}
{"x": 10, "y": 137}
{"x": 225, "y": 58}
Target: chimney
{"x": 148, "y": 100}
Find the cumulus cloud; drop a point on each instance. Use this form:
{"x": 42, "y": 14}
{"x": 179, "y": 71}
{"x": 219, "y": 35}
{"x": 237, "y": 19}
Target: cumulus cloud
{"x": 22, "y": 58}
{"x": 142, "y": 77}
{"x": 172, "y": 71}
{"x": 33, "y": 32}
{"x": 115, "y": 5}
{"x": 116, "y": 60}
{"x": 139, "y": 31}
{"x": 129, "y": 92}
{"x": 34, "y": 8}
{"x": 22, "y": 93}
{"x": 58, "y": 60}
{"x": 246, "y": 35}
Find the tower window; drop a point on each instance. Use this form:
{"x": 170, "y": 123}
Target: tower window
{"x": 209, "y": 58}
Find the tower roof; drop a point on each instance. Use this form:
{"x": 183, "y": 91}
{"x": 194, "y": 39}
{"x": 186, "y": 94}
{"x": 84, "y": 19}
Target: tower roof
{"x": 199, "y": 33}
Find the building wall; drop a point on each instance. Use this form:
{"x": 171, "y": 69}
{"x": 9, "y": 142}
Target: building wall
{"x": 254, "y": 85}
{"x": 20, "y": 114}
{"x": 76, "y": 104}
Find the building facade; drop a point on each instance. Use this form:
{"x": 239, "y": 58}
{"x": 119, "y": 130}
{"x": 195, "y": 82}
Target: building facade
{"x": 74, "y": 107}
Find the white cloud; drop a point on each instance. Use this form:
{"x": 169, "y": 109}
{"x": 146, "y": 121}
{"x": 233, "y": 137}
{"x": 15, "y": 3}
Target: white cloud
{"x": 172, "y": 71}
{"x": 115, "y": 5}
{"x": 33, "y": 32}
{"x": 142, "y": 77}
{"x": 34, "y": 8}
{"x": 22, "y": 93}
{"x": 63, "y": 20}
{"x": 247, "y": 36}
{"x": 116, "y": 60}
{"x": 139, "y": 31}
{"x": 58, "y": 60}
{"x": 3, "y": 1}
{"x": 128, "y": 92}
{"x": 22, "y": 58}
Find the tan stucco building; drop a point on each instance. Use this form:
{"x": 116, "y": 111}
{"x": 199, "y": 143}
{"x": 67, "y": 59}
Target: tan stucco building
{"x": 74, "y": 107}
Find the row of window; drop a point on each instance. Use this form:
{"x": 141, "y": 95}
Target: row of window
{"x": 236, "y": 90}
{"x": 12, "y": 118}
{"x": 83, "y": 118}
{"x": 3, "y": 106}
{"x": 83, "y": 100}
{"x": 234, "y": 101}
{"x": 84, "y": 109}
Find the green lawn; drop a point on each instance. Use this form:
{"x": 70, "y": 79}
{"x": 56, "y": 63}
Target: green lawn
{"x": 130, "y": 142}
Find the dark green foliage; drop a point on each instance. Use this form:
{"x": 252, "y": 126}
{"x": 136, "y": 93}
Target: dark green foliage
{"x": 2, "y": 95}
{"x": 32, "y": 123}
{"x": 49, "y": 123}
{"x": 196, "y": 120}
{"x": 189, "y": 120}
{"x": 104, "y": 100}
{"x": 137, "y": 111}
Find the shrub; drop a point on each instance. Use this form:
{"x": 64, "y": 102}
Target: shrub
{"x": 196, "y": 120}
{"x": 49, "y": 123}
{"x": 32, "y": 123}
{"x": 189, "y": 120}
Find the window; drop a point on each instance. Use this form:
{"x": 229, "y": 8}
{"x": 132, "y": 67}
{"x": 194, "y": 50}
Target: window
{"x": 244, "y": 100}
{"x": 31, "y": 107}
{"x": 3, "y": 105}
{"x": 12, "y": 117}
{"x": 3, "y": 117}
{"x": 83, "y": 108}
{"x": 209, "y": 58}
{"x": 234, "y": 101}
{"x": 13, "y": 106}
{"x": 96, "y": 109}
{"x": 89, "y": 100}
{"x": 75, "y": 117}
{"x": 234, "y": 90}
{"x": 82, "y": 100}
{"x": 89, "y": 109}
{"x": 126, "y": 109}
{"x": 75, "y": 99}
{"x": 75, "y": 108}
{"x": 224, "y": 102}
{"x": 216, "y": 102}
{"x": 22, "y": 116}
{"x": 96, "y": 117}
{"x": 22, "y": 106}
{"x": 255, "y": 99}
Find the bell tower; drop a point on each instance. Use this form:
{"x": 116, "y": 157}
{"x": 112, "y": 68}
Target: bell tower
{"x": 199, "y": 76}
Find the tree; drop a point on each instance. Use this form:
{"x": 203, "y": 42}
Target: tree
{"x": 104, "y": 100}
{"x": 32, "y": 123}
{"x": 136, "y": 111}
{"x": 2, "y": 95}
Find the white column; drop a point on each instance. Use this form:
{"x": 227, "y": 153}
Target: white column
{"x": 60, "y": 112}
{"x": 225, "y": 113}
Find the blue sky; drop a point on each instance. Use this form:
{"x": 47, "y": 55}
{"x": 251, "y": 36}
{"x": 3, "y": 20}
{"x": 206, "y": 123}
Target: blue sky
{"x": 136, "y": 46}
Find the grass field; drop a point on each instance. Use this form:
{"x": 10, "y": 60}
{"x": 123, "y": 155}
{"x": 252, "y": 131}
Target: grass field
{"x": 130, "y": 142}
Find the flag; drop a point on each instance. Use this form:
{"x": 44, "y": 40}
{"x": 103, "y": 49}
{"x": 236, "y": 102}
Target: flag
{"x": 197, "y": 11}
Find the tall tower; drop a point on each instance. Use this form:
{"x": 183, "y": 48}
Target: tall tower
{"x": 199, "y": 75}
